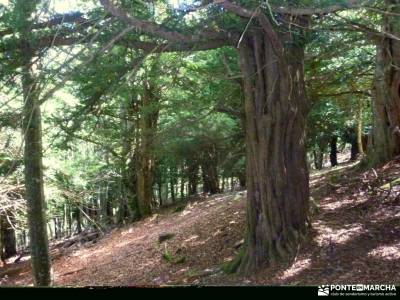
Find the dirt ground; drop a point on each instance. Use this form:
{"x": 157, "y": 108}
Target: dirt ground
{"x": 355, "y": 238}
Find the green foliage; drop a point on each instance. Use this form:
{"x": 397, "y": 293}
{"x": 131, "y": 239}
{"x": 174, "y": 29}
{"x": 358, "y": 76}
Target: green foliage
{"x": 91, "y": 131}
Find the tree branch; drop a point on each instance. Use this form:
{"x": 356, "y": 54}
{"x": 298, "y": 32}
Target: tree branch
{"x": 75, "y": 18}
{"x": 158, "y": 31}
{"x": 349, "y": 4}
{"x": 262, "y": 19}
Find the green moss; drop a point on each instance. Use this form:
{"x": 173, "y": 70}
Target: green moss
{"x": 172, "y": 259}
{"x": 232, "y": 266}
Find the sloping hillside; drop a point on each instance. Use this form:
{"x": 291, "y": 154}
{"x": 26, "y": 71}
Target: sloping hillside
{"x": 355, "y": 238}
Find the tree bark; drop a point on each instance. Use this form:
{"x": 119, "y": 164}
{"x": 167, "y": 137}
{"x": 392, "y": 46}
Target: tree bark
{"x": 40, "y": 258}
{"x": 277, "y": 173}
{"x": 318, "y": 158}
{"x": 182, "y": 182}
{"x": 78, "y": 219}
{"x": 192, "y": 169}
{"x": 242, "y": 182}
{"x": 386, "y": 91}
{"x": 145, "y": 156}
{"x": 360, "y": 134}
{"x": 333, "y": 152}
{"x": 210, "y": 171}
{"x": 354, "y": 149}
{"x": 8, "y": 241}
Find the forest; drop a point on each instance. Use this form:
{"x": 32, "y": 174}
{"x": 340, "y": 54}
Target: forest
{"x": 199, "y": 142}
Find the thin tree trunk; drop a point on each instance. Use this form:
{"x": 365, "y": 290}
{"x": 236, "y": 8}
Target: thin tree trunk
{"x": 145, "y": 161}
{"x": 182, "y": 187}
{"x": 172, "y": 190}
{"x": 209, "y": 169}
{"x": 318, "y": 159}
{"x": 40, "y": 258}
{"x": 354, "y": 148}
{"x": 77, "y": 213}
{"x": 2, "y": 258}
{"x": 360, "y": 110}
{"x": 333, "y": 151}
{"x": 192, "y": 178}
{"x": 242, "y": 182}
{"x": 8, "y": 240}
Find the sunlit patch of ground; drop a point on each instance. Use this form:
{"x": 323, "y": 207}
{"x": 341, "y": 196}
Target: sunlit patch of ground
{"x": 296, "y": 268}
{"x": 327, "y": 235}
{"x": 386, "y": 252}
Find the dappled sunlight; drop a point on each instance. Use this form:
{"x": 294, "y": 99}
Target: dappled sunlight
{"x": 330, "y": 204}
{"x": 328, "y": 235}
{"x": 385, "y": 214}
{"x": 318, "y": 175}
{"x": 191, "y": 238}
{"x": 296, "y": 268}
{"x": 386, "y": 252}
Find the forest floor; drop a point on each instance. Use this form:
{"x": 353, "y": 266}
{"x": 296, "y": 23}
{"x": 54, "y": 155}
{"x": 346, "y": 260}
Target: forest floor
{"x": 355, "y": 238}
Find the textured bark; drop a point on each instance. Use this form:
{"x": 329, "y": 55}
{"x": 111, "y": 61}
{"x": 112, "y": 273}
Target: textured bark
{"x": 40, "y": 258}
{"x": 385, "y": 138}
{"x": 127, "y": 203}
{"x": 145, "y": 156}
{"x": 277, "y": 174}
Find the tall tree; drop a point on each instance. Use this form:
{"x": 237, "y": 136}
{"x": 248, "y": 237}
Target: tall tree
{"x": 271, "y": 57}
{"x": 145, "y": 168}
{"x": 32, "y": 130}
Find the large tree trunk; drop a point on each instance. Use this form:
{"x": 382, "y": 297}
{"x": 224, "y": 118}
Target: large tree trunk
{"x": 386, "y": 92}
{"x": 277, "y": 174}
{"x": 40, "y": 258}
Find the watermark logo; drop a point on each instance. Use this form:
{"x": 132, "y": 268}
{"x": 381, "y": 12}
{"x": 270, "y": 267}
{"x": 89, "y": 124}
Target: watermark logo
{"x": 357, "y": 290}
{"x": 323, "y": 290}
